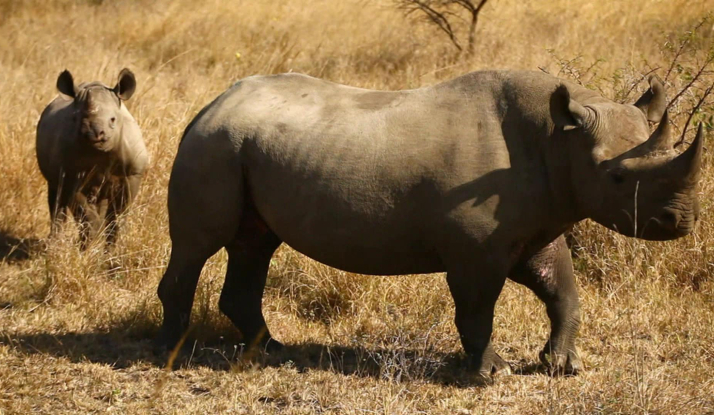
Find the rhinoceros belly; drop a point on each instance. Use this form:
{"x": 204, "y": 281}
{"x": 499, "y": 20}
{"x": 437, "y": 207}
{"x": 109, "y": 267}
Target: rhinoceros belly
{"x": 356, "y": 234}
{"x": 347, "y": 208}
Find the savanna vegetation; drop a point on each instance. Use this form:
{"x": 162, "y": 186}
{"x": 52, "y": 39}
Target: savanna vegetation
{"x": 76, "y": 326}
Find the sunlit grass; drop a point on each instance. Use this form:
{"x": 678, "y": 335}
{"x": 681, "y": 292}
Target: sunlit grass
{"x": 75, "y": 326}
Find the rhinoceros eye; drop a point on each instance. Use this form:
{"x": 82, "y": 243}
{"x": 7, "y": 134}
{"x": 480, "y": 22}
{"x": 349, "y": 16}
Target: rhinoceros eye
{"x": 617, "y": 176}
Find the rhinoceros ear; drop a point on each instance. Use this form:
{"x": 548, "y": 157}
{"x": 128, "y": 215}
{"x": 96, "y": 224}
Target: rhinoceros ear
{"x": 654, "y": 101}
{"x": 567, "y": 113}
{"x": 126, "y": 86}
{"x": 65, "y": 84}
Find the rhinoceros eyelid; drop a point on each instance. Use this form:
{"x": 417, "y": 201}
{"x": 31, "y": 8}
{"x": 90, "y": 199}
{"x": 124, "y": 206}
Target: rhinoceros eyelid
{"x": 617, "y": 176}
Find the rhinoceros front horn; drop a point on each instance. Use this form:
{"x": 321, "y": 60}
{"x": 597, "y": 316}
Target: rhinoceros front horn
{"x": 688, "y": 163}
{"x": 660, "y": 140}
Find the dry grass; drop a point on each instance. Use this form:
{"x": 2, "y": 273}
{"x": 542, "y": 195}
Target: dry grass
{"x": 74, "y": 331}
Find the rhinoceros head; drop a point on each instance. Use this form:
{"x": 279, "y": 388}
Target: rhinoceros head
{"x": 625, "y": 178}
{"x": 97, "y": 108}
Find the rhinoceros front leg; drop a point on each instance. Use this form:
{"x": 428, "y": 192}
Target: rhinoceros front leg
{"x": 549, "y": 274}
{"x": 120, "y": 199}
{"x": 89, "y": 215}
{"x": 475, "y": 292}
{"x": 60, "y": 197}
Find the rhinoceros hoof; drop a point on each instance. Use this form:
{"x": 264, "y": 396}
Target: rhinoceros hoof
{"x": 169, "y": 341}
{"x": 493, "y": 365}
{"x": 561, "y": 364}
{"x": 164, "y": 346}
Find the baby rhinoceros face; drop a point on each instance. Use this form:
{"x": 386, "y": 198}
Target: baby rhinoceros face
{"x": 98, "y": 117}
{"x": 98, "y": 109}
{"x": 632, "y": 182}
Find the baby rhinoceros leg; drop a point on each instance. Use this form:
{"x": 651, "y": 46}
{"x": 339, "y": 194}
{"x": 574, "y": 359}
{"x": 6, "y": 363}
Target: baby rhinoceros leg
{"x": 549, "y": 274}
{"x": 121, "y": 196}
{"x": 60, "y": 198}
{"x": 88, "y": 212}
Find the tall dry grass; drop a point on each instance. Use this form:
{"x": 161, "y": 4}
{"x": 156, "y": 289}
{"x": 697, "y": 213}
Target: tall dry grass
{"x": 74, "y": 326}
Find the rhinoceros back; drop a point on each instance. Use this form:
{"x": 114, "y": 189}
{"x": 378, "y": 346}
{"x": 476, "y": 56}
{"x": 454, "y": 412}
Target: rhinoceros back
{"x": 364, "y": 173}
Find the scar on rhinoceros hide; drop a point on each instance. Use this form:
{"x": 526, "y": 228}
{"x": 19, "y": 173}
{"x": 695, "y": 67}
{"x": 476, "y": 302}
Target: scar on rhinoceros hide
{"x": 544, "y": 262}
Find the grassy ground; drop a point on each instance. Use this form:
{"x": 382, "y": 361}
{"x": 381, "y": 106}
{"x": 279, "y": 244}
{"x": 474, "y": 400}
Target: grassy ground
{"x": 75, "y": 331}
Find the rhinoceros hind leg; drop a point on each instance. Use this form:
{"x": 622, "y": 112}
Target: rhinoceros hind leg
{"x": 205, "y": 208}
{"x": 248, "y": 261}
{"x": 475, "y": 294}
{"x": 549, "y": 274}
{"x": 176, "y": 291}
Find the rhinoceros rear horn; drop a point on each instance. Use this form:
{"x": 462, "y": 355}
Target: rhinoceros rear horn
{"x": 126, "y": 85}
{"x": 688, "y": 163}
{"x": 661, "y": 140}
{"x": 654, "y": 101}
{"x": 65, "y": 84}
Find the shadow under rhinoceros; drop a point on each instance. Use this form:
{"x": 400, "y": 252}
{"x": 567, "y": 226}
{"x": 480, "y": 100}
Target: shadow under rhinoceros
{"x": 14, "y": 249}
{"x": 121, "y": 350}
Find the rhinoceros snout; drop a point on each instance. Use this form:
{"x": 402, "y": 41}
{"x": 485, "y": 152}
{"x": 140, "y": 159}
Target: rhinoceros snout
{"x": 678, "y": 222}
{"x": 670, "y": 224}
{"x": 96, "y": 137}
{"x": 101, "y": 137}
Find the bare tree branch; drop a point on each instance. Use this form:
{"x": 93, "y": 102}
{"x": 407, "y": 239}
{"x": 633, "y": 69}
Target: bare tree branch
{"x": 696, "y": 77}
{"x": 440, "y": 12}
{"x": 682, "y": 46}
{"x": 694, "y": 111}
{"x": 634, "y": 84}
{"x": 436, "y": 17}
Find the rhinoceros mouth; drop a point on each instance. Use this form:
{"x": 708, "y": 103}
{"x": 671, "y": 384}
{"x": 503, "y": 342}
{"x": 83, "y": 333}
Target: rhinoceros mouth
{"x": 657, "y": 230}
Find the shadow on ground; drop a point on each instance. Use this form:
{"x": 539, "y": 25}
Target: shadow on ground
{"x": 14, "y": 249}
{"x": 121, "y": 351}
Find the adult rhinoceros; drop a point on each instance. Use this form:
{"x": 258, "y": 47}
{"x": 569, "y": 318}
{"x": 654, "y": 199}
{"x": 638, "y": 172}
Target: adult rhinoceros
{"x": 90, "y": 151}
{"x": 478, "y": 176}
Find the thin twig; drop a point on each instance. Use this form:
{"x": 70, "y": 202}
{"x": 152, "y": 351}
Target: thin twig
{"x": 682, "y": 46}
{"x": 634, "y": 84}
{"x": 691, "y": 114}
{"x": 694, "y": 79}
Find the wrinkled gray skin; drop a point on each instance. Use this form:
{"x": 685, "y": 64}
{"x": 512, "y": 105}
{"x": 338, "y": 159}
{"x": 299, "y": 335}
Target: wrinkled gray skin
{"x": 90, "y": 151}
{"x": 479, "y": 177}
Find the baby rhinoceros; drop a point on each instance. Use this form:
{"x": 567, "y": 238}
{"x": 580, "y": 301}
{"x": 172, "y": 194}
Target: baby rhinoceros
{"x": 90, "y": 151}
